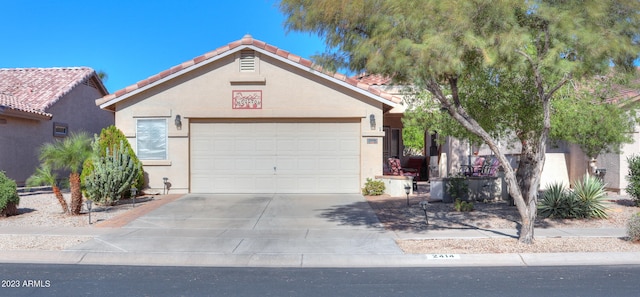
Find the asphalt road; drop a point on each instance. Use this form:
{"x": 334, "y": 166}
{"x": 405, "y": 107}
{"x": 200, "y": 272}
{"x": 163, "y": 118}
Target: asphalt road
{"x": 89, "y": 280}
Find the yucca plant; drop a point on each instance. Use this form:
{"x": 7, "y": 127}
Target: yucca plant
{"x": 591, "y": 194}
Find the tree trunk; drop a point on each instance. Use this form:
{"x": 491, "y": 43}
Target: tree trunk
{"x": 76, "y": 193}
{"x": 63, "y": 203}
{"x": 528, "y": 177}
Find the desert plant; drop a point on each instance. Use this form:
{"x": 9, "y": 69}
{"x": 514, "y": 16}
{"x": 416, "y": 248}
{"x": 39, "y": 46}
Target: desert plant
{"x": 109, "y": 137}
{"x": 9, "y": 198}
{"x": 458, "y": 187}
{"x": 69, "y": 154}
{"x": 591, "y": 194}
{"x": 44, "y": 176}
{"x": 558, "y": 202}
{"x": 633, "y": 188}
{"x": 113, "y": 174}
{"x": 463, "y": 206}
{"x": 633, "y": 227}
{"x": 373, "y": 187}
{"x": 585, "y": 201}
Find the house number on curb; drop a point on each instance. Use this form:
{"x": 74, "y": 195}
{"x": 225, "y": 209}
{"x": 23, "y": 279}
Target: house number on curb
{"x": 443, "y": 256}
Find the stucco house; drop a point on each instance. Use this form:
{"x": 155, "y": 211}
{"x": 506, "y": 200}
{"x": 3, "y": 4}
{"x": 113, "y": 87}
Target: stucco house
{"x": 250, "y": 117}
{"x": 39, "y": 105}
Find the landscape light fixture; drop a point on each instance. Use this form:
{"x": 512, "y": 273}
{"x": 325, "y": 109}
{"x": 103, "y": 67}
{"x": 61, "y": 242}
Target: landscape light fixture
{"x": 88, "y": 203}
{"x": 424, "y": 205}
{"x": 372, "y": 121}
{"x": 164, "y": 181}
{"x": 407, "y": 189}
{"x": 134, "y": 192}
{"x": 178, "y": 122}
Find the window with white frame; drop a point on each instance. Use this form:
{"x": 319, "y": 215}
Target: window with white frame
{"x": 151, "y": 139}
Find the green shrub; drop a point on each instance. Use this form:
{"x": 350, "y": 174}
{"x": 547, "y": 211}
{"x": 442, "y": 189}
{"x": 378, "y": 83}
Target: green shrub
{"x": 9, "y": 198}
{"x": 633, "y": 227}
{"x": 373, "y": 187}
{"x": 110, "y": 137}
{"x": 633, "y": 188}
{"x": 458, "y": 187}
{"x": 586, "y": 201}
{"x": 463, "y": 206}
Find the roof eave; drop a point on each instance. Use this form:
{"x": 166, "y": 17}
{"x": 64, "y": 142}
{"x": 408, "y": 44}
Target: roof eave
{"x": 108, "y": 102}
{"x": 10, "y": 112}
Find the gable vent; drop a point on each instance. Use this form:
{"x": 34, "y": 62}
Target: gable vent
{"x": 89, "y": 82}
{"x": 247, "y": 61}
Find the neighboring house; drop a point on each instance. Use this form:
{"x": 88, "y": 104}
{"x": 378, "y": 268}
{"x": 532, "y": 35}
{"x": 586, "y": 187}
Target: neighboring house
{"x": 40, "y": 105}
{"x": 249, "y": 117}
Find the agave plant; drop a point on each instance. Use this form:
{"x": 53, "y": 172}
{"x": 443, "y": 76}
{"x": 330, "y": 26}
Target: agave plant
{"x": 590, "y": 192}
{"x": 556, "y": 202}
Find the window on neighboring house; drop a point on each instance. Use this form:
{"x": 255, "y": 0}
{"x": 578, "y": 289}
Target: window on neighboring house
{"x": 151, "y": 139}
{"x": 60, "y": 130}
{"x": 247, "y": 61}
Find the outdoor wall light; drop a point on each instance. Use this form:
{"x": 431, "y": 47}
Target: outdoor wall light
{"x": 88, "y": 203}
{"x": 134, "y": 192}
{"x": 372, "y": 121}
{"x": 407, "y": 189}
{"x": 423, "y": 205}
{"x": 178, "y": 122}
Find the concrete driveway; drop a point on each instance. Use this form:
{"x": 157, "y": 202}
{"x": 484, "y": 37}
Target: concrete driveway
{"x": 241, "y": 229}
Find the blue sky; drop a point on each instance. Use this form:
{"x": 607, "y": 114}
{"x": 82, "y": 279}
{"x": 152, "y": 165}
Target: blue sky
{"x": 132, "y": 40}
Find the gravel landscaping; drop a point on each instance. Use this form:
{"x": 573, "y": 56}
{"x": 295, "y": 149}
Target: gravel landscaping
{"x": 43, "y": 210}
{"x": 396, "y": 216}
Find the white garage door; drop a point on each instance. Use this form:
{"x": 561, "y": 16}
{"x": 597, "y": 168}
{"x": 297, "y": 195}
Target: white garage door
{"x": 272, "y": 157}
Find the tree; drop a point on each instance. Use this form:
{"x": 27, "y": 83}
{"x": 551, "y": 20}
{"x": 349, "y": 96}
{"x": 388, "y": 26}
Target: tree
{"x": 456, "y": 49}
{"x": 585, "y": 117}
{"x": 69, "y": 154}
{"x": 45, "y": 176}
{"x": 413, "y": 140}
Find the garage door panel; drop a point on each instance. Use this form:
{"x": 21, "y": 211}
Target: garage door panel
{"x": 308, "y": 157}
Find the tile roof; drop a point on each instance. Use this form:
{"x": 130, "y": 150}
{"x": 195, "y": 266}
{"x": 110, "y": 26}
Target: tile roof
{"x": 373, "y": 79}
{"x": 33, "y": 90}
{"x": 247, "y": 40}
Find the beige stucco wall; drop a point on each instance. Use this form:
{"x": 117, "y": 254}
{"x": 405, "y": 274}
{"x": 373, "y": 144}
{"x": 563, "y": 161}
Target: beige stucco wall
{"x": 20, "y": 138}
{"x": 617, "y": 166}
{"x": 205, "y": 93}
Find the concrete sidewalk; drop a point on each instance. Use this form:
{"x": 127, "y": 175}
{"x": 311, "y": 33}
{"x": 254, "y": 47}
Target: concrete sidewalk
{"x": 284, "y": 231}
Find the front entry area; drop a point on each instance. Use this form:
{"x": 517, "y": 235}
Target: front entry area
{"x": 264, "y": 156}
